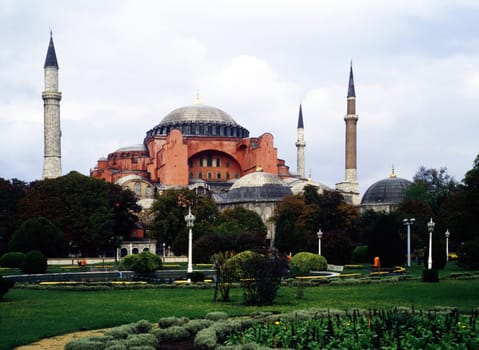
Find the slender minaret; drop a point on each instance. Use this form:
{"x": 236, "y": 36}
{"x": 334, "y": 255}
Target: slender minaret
{"x": 300, "y": 144}
{"x": 51, "y": 113}
{"x": 350, "y": 186}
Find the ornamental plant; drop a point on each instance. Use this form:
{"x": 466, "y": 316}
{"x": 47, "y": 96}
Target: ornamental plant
{"x": 144, "y": 262}
{"x": 302, "y": 263}
{"x": 35, "y": 262}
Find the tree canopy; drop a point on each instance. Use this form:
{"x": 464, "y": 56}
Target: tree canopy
{"x": 89, "y": 211}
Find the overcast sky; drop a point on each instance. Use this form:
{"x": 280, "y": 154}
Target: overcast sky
{"x": 124, "y": 65}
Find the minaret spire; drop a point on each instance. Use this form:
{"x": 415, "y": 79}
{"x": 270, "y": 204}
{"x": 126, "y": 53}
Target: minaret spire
{"x": 300, "y": 144}
{"x": 51, "y": 115}
{"x": 350, "y": 186}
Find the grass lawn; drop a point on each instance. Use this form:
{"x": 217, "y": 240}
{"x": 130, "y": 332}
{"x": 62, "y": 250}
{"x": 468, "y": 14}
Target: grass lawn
{"x": 29, "y": 315}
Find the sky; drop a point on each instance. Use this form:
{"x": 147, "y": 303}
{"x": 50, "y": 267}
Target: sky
{"x": 126, "y": 64}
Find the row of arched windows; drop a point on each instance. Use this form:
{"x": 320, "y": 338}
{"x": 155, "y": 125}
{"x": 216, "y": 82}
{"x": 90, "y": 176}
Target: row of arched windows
{"x": 201, "y": 130}
{"x": 209, "y": 175}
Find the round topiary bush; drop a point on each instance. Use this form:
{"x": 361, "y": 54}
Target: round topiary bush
{"x": 304, "y": 262}
{"x": 142, "y": 263}
{"x": 12, "y": 259}
{"x": 360, "y": 254}
{"x": 35, "y": 262}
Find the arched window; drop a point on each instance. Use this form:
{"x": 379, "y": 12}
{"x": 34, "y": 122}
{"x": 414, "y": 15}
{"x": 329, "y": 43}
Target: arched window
{"x": 227, "y": 176}
{"x": 137, "y": 188}
{"x": 149, "y": 191}
{"x": 209, "y": 175}
{"x": 200, "y": 175}
{"x": 218, "y": 176}
{"x": 135, "y": 251}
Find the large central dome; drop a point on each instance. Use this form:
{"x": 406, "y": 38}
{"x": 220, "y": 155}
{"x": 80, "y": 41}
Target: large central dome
{"x": 199, "y": 120}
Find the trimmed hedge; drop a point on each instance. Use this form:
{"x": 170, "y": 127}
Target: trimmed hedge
{"x": 302, "y": 263}
{"x": 35, "y": 262}
{"x": 12, "y": 259}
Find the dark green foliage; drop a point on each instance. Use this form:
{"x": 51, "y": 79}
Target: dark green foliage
{"x": 143, "y": 262}
{"x": 337, "y": 247}
{"x": 35, "y": 262}
{"x": 469, "y": 255}
{"x": 196, "y": 276}
{"x": 90, "y": 212}
{"x": 360, "y": 254}
{"x": 11, "y": 192}
{"x": 302, "y": 263}
{"x": 12, "y": 259}
{"x": 299, "y": 217}
{"x": 169, "y": 212}
{"x": 430, "y": 275}
{"x": 38, "y": 233}
{"x": 385, "y": 241}
{"x": 5, "y": 285}
{"x": 260, "y": 277}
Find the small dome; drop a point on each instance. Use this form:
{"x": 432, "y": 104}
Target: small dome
{"x": 199, "y": 120}
{"x": 387, "y": 191}
{"x": 258, "y": 186}
{"x": 132, "y": 148}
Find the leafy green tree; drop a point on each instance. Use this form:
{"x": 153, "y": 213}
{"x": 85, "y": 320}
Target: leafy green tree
{"x": 89, "y": 211}
{"x": 299, "y": 217}
{"x": 337, "y": 247}
{"x": 168, "y": 212}
{"x": 385, "y": 240}
{"x": 38, "y": 233}
{"x": 11, "y": 191}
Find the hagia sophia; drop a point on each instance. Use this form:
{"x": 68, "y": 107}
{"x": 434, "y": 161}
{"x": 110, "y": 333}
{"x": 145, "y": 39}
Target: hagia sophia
{"x": 206, "y": 149}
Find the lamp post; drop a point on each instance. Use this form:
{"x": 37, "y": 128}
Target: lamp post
{"x": 190, "y": 219}
{"x": 320, "y": 235}
{"x": 164, "y": 251}
{"x": 408, "y": 223}
{"x": 430, "y": 228}
{"x": 447, "y": 234}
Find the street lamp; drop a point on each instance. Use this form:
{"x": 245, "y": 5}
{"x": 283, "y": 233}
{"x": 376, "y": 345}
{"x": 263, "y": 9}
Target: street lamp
{"x": 430, "y": 228}
{"x": 447, "y": 234}
{"x": 320, "y": 235}
{"x": 164, "y": 251}
{"x": 408, "y": 223}
{"x": 190, "y": 219}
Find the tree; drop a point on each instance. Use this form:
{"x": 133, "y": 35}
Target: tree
{"x": 385, "y": 241}
{"x": 38, "y": 233}
{"x": 168, "y": 223}
{"x": 89, "y": 211}
{"x": 11, "y": 191}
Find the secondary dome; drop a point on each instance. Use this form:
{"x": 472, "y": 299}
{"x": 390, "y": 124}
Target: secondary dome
{"x": 258, "y": 186}
{"x": 390, "y": 191}
{"x": 199, "y": 120}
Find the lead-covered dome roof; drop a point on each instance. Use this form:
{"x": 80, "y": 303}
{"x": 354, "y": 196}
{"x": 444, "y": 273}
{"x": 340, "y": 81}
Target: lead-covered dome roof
{"x": 258, "y": 187}
{"x": 199, "y": 120}
{"x": 387, "y": 191}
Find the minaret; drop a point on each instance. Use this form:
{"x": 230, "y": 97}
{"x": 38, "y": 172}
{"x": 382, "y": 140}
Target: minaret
{"x": 52, "y": 167}
{"x": 300, "y": 144}
{"x": 350, "y": 186}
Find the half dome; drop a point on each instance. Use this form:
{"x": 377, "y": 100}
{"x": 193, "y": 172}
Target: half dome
{"x": 258, "y": 187}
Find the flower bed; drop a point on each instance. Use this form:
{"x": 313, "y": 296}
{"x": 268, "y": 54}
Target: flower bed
{"x": 441, "y": 328}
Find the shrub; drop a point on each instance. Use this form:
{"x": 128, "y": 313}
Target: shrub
{"x": 38, "y": 233}
{"x": 216, "y": 316}
{"x": 5, "y": 285}
{"x": 121, "y": 332}
{"x": 260, "y": 276}
{"x": 12, "y": 259}
{"x": 142, "y": 326}
{"x": 166, "y": 322}
{"x": 196, "y": 276}
{"x": 144, "y": 339}
{"x": 194, "y": 326}
{"x": 205, "y": 339}
{"x": 304, "y": 262}
{"x": 360, "y": 254}
{"x": 35, "y": 262}
{"x": 469, "y": 255}
{"x": 142, "y": 263}
{"x": 172, "y": 333}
